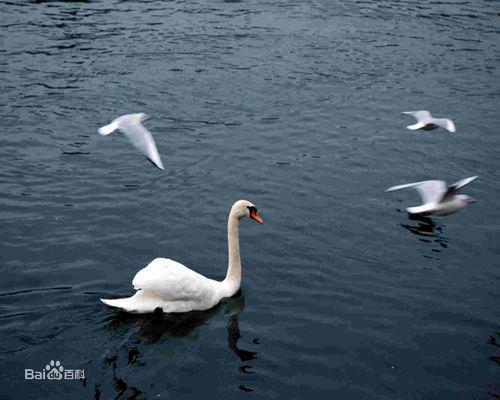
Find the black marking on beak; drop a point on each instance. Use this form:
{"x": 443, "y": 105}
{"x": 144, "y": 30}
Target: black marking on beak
{"x": 252, "y": 209}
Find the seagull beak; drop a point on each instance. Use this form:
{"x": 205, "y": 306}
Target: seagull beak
{"x": 256, "y": 217}
{"x": 471, "y": 201}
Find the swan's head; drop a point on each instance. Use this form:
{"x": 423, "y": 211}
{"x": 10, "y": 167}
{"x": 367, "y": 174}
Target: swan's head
{"x": 243, "y": 208}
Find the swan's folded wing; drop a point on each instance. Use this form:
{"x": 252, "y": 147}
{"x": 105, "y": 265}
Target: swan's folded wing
{"x": 172, "y": 281}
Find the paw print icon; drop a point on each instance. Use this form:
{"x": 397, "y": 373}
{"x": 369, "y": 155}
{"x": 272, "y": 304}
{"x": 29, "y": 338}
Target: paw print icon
{"x": 54, "y": 369}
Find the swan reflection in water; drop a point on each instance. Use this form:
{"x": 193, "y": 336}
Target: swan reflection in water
{"x": 158, "y": 327}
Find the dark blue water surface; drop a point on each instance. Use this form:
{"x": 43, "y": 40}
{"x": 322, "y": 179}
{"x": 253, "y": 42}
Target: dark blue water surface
{"x": 295, "y": 106}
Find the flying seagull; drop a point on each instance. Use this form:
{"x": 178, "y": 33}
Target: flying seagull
{"x": 437, "y": 197}
{"x": 140, "y": 137}
{"x": 427, "y": 122}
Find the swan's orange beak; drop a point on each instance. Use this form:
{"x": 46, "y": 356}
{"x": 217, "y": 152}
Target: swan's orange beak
{"x": 256, "y": 217}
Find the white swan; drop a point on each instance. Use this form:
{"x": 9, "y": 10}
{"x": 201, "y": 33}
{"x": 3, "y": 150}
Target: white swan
{"x": 173, "y": 287}
{"x": 437, "y": 197}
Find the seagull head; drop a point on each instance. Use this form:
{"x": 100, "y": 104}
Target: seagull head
{"x": 142, "y": 117}
{"x": 466, "y": 199}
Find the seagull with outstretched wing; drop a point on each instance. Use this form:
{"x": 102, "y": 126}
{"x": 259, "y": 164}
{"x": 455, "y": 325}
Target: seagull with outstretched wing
{"x": 438, "y": 198}
{"x": 427, "y": 122}
{"x": 130, "y": 125}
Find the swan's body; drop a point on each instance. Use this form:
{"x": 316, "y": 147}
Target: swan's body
{"x": 437, "y": 197}
{"x": 138, "y": 135}
{"x": 173, "y": 287}
{"x": 427, "y": 122}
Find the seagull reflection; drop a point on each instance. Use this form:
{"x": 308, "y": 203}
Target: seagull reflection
{"x": 426, "y": 226}
{"x": 158, "y": 327}
{"x": 429, "y": 229}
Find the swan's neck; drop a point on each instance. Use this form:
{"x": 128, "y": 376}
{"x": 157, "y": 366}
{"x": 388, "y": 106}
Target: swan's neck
{"x": 233, "y": 277}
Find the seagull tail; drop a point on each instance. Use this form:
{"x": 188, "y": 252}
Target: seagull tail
{"x": 421, "y": 210}
{"x": 107, "y": 129}
{"x": 418, "y": 125}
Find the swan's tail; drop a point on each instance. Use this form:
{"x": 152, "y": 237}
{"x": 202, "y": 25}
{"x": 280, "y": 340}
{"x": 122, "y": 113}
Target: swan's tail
{"x": 119, "y": 303}
{"x": 142, "y": 302}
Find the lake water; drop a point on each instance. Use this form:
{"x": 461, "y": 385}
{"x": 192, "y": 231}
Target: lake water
{"x": 295, "y": 106}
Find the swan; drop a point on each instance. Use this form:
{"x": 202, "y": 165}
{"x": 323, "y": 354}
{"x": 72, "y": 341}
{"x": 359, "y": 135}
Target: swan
{"x": 427, "y": 122}
{"x": 437, "y": 197}
{"x": 173, "y": 287}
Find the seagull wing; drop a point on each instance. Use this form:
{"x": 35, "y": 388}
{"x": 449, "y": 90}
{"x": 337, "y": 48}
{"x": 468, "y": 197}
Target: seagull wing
{"x": 398, "y": 187}
{"x": 420, "y": 116}
{"x": 461, "y": 183}
{"x": 141, "y": 138}
{"x": 430, "y": 191}
{"x": 444, "y": 123}
{"x": 453, "y": 189}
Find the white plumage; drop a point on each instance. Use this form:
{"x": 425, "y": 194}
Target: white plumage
{"x": 438, "y": 198}
{"x": 427, "y": 122}
{"x": 138, "y": 135}
{"x": 173, "y": 287}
